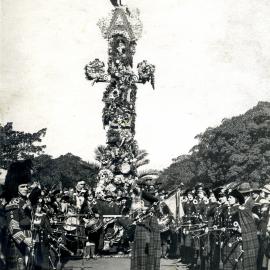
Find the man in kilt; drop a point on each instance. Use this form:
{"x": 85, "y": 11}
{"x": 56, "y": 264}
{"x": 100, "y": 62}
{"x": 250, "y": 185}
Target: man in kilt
{"x": 146, "y": 248}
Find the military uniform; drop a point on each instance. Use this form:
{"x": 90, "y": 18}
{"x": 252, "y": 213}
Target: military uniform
{"x": 95, "y": 232}
{"x": 232, "y": 246}
{"x": 219, "y": 214}
{"x": 18, "y": 216}
{"x": 190, "y": 218}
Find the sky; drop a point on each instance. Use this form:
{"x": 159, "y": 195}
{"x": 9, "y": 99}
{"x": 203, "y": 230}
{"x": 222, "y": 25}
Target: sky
{"x": 212, "y": 61}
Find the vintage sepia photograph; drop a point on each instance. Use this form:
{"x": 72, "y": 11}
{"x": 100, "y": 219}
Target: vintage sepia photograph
{"x": 135, "y": 135}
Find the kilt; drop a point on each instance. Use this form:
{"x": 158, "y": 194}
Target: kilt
{"x": 15, "y": 255}
{"x": 155, "y": 245}
{"x": 231, "y": 254}
{"x": 145, "y": 253}
{"x": 41, "y": 259}
{"x": 249, "y": 239}
{"x": 214, "y": 250}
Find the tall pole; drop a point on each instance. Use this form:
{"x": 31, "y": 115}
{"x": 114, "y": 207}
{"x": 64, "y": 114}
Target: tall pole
{"x": 122, "y": 28}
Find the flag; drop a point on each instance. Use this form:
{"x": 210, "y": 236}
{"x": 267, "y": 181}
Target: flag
{"x": 174, "y": 203}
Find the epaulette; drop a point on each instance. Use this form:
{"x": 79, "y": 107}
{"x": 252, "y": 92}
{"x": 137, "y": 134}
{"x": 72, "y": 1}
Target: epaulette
{"x": 13, "y": 204}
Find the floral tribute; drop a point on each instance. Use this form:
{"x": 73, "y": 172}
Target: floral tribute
{"x": 118, "y": 158}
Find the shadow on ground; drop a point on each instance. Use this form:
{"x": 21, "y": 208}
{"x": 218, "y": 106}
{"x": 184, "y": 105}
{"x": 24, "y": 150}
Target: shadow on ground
{"x": 112, "y": 263}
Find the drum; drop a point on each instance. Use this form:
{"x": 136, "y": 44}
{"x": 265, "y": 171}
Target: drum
{"x": 110, "y": 231}
{"x": 71, "y": 224}
{"x": 74, "y": 235}
{"x": 164, "y": 224}
{"x": 93, "y": 224}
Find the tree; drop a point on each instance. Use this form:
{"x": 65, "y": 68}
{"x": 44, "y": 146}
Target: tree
{"x": 16, "y": 145}
{"x": 182, "y": 170}
{"x": 66, "y": 169}
{"x": 237, "y": 150}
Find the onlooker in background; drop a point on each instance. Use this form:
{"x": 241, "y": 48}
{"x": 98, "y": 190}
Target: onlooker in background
{"x": 265, "y": 192}
{"x": 245, "y": 189}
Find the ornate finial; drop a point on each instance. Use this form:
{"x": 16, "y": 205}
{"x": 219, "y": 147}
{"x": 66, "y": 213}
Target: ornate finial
{"x": 121, "y": 21}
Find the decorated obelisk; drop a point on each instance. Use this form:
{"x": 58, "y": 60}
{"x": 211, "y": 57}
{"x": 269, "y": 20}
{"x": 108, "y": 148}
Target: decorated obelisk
{"x": 121, "y": 28}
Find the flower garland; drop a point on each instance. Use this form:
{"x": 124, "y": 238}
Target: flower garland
{"x": 118, "y": 158}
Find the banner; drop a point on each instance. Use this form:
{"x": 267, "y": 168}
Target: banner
{"x": 174, "y": 203}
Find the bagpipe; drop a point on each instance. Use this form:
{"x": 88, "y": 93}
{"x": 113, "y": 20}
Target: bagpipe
{"x": 40, "y": 228}
{"x": 202, "y": 229}
{"x": 166, "y": 223}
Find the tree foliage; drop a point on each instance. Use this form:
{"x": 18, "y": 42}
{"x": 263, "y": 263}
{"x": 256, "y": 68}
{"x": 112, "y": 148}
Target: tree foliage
{"x": 237, "y": 150}
{"x": 66, "y": 169}
{"x": 182, "y": 170}
{"x": 15, "y": 145}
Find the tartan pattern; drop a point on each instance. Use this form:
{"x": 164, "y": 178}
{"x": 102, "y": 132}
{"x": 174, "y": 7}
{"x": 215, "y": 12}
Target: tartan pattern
{"x": 249, "y": 239}
{"x": 155, "y": 245}
{"x": 15, "y": 255}
{"x": 249, "y": 242}
{"x": 145, "y": 238}
{"x": 231, "y": 255}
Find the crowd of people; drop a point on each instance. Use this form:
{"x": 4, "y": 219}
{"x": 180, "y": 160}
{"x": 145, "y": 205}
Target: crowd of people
{"x": 224, "y": 228}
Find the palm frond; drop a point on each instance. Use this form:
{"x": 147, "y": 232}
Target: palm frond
{"x": 141, "y": 155}
{"x": 140, "y": 163}
{"x": 150, "y": 172}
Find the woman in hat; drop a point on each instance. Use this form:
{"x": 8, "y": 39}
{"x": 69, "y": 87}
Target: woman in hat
{"x": 145, "y": 253}
{"x": 18, "y": 213}
{"x": 240, "y": 246}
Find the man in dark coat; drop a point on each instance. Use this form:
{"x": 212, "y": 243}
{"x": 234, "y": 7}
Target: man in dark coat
{"x": 18, "y": 213}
